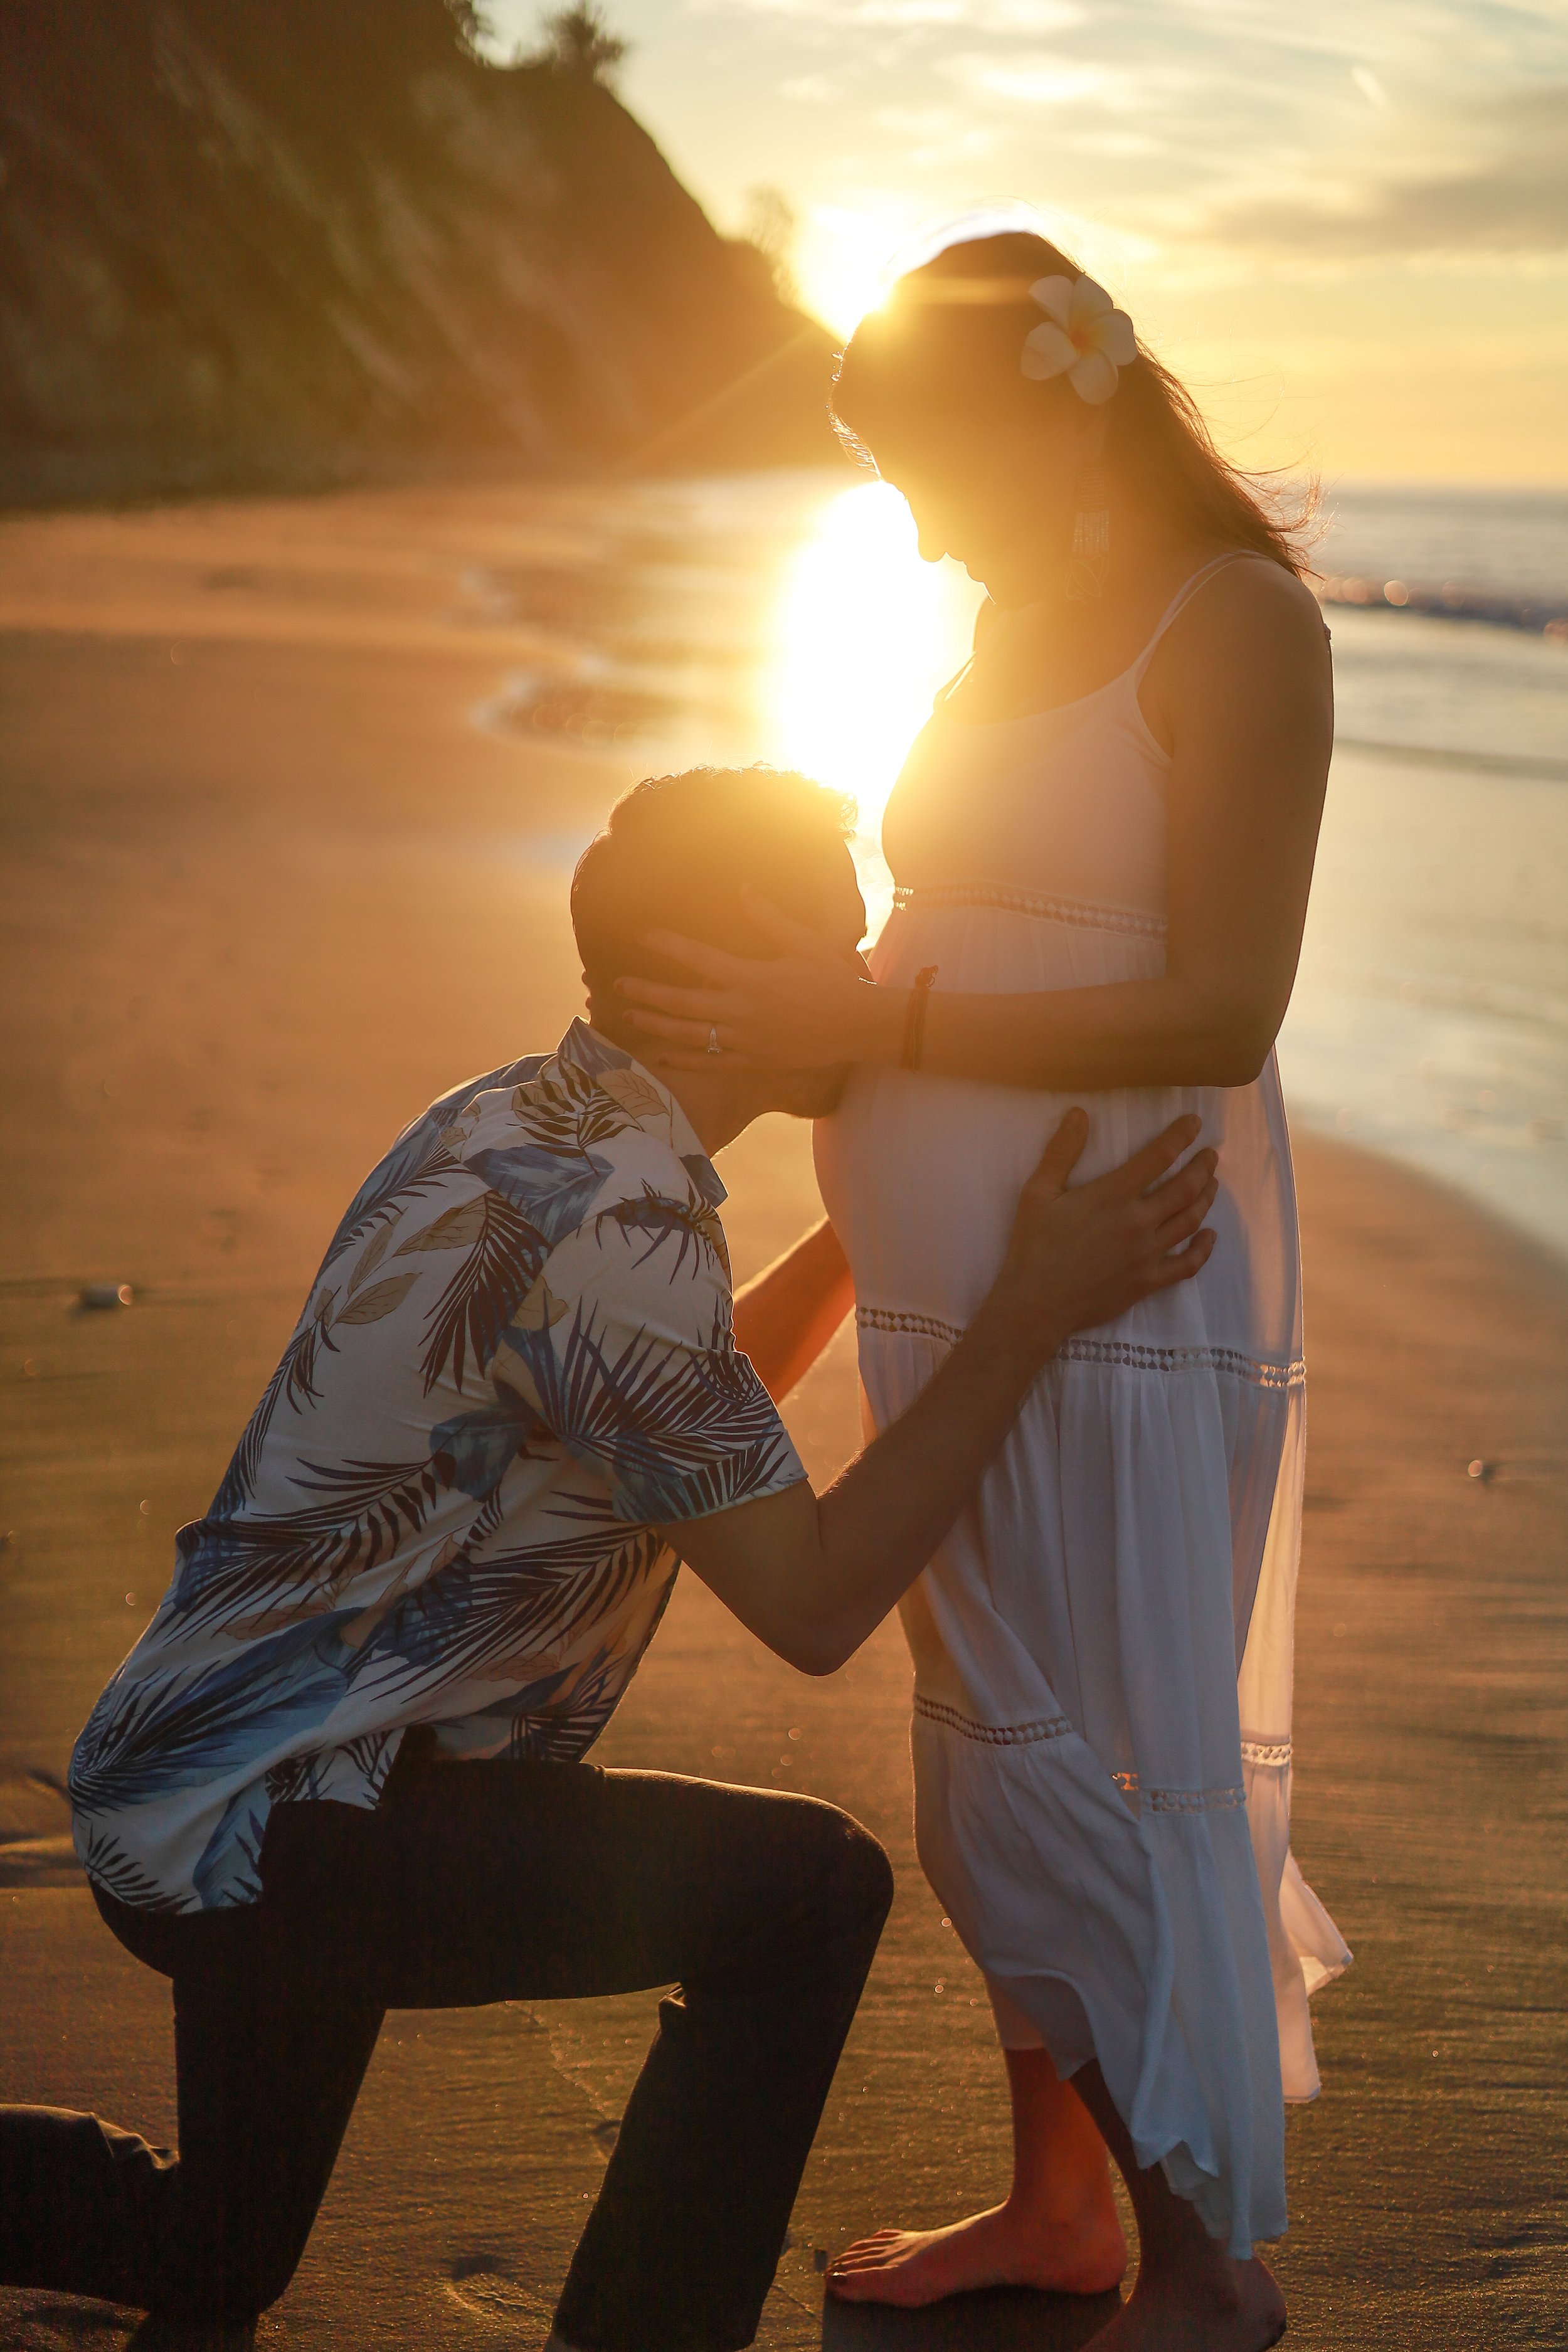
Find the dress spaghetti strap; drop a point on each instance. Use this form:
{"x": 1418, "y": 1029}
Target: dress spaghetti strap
{"x": 1130, "y": 679}
{"x": 1181, "y": 599}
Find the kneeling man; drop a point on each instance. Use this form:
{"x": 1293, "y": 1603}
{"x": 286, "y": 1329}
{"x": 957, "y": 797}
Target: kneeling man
{"x": 341, "y": 1770}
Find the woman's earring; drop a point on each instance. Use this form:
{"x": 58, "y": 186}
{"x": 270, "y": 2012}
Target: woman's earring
{"x": 1091, "y": 558}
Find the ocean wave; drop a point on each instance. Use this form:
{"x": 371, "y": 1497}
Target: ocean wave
{"x": 1489, "y": 763}
{"x": 1534, "y": 616}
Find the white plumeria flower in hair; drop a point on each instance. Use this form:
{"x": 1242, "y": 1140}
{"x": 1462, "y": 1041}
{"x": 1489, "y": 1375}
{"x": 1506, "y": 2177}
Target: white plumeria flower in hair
{"x": 1082, "y": 336}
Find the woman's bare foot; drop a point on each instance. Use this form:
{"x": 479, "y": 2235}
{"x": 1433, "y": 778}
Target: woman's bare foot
{"x": 1246, "y": 2313}
{"x": 909, "y": 2267}
{"x": 1059, "y": 2229}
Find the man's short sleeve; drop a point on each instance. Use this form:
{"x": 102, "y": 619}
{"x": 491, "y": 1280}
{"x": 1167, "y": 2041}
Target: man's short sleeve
{"x": 625, "y": 1350}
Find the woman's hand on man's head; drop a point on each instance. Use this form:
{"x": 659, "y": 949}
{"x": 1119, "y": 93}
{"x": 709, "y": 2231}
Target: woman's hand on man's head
{"x": 811, "y": 1005}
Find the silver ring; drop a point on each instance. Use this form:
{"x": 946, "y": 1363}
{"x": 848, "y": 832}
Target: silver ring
{"x": 713, "y": 1045}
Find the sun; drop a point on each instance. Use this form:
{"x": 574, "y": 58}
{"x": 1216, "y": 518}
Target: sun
{"x": 863, "y": 633}
{"x": 844, "y": 265}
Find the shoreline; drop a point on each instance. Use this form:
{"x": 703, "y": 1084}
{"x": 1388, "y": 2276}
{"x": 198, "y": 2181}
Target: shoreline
{"x": 263, "y": 902}
{"x": 547, "y": 584}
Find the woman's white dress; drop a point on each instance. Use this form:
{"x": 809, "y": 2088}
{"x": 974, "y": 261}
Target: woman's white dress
{"x": 1103, "y": 1646}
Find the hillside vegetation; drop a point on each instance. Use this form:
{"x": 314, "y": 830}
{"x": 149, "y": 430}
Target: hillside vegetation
{"x": 269, "y": 243}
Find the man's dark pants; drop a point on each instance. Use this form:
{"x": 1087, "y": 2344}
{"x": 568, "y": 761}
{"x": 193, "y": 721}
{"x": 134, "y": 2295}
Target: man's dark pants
{"x": 476, "y": 1883}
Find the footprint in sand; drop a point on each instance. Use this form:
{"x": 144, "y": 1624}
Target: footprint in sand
{"x": 485, "y": 2291}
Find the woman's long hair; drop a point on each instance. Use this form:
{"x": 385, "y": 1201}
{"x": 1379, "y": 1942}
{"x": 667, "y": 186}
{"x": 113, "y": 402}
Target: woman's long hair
{"x": 942, "y": 354}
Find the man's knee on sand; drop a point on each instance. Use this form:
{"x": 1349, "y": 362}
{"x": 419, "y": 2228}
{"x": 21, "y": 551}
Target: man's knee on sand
{"x": 848, "y": 1883}
{"x": 864, "y": 1873}
{"x": 89, "y": 2208}
{"x": 806, "y": 1892}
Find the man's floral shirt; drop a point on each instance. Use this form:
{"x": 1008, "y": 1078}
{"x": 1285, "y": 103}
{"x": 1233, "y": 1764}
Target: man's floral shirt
{"x": 516, "y": 1365}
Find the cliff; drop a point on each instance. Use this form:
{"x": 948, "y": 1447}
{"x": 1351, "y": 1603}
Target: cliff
{"x": 251, "y": 245}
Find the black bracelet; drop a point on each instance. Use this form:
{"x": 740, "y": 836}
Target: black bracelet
{"x": 915, "y": 1018}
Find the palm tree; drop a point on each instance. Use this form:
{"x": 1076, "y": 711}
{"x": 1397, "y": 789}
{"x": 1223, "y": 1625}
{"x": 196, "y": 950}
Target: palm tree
{"x": 579, "y": 44}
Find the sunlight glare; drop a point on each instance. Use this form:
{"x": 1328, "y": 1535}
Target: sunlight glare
{"x": 865, "y": 634}
{"x": 844, "y": 265}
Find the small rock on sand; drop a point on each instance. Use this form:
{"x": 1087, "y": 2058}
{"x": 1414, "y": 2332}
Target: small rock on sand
{"x": 100, "y": 1295}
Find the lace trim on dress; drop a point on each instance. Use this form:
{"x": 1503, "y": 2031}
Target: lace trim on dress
{"x": 1194, "y": 1801}
{"x": 1179, "y": 1801}
{"x": 1256, "y": 1370}
{"x": 1262, "y": 1373}
{"x": 927, "y": 1326}
{"x": 1054, "y": 1727}
{"x": 994, "y": 1735}
{"x": 1081, "y": 911}
{"x": 1266, "y": 1751}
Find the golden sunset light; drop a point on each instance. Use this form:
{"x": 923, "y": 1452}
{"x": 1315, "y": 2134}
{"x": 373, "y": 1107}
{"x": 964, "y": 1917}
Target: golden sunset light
{"x": 1347, "y": 226}
{"x": 784, "y": 1338}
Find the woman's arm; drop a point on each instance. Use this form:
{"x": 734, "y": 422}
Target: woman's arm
{"x": 1241, "y": 693}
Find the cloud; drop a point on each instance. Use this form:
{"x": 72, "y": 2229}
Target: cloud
{"x": 1040, "y": 79}
{"x": 1036, "y": 17}
{"x": 932, "y": 136}
{"x": 1507, "y": 194}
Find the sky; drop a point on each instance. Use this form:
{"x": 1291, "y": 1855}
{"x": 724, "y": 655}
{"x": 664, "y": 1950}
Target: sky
{"x": 1344, "y": 223}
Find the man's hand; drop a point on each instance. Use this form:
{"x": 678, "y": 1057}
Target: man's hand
{"x": 1085, "y": 1256}
{"x": 813, "y": 1576}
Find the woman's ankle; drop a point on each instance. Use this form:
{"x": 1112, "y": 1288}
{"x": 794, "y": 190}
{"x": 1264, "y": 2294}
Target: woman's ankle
{"x": 1184, "y": 2277}
{"x": 1064, "y": 2193}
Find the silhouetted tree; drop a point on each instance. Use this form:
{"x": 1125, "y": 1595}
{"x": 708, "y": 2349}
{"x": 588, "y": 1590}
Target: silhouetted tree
{"x": 579, "y": 42}
{"x": 474, "y": 28}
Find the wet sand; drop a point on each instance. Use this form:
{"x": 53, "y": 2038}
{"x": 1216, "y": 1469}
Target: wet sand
{"x": 265, "y": 889}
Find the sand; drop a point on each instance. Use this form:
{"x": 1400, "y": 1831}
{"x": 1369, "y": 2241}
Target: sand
{"x": 266, "y": 890}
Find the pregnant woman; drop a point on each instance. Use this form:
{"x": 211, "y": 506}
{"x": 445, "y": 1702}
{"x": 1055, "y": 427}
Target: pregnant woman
{"x": 1102, "y": 843}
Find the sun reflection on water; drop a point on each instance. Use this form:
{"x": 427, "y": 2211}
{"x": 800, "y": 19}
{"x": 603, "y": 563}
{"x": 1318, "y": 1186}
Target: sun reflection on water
{"x": 863, "y": 633}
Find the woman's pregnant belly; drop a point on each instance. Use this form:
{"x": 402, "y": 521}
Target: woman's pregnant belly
{"x": 922, "y": 1175}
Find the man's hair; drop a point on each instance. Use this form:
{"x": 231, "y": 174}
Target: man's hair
{"x": 679, "y": 851}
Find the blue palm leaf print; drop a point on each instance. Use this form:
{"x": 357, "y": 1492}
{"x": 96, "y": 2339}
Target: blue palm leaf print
{"x": 677, "y": 1431}
{"x": 295, "y": 1379}
{"x": 418, "y": 1160}
{"x": 543, "y": 1732}
{"x": 144, "y": 1739}
{"x": 417, "y": 1164}
{"x": 473, "y": 1614}
{"x": 475, "y": 1450}
{"x": 505, "y": 1262}
{"x": 229, "y": 1869}
{"x": 704, "y": 1177}
{"x": 108, "y": 1866}
{"x": 695, "y": 1228}
{"x": 231, "y": 1568}
{"x": 553, "y": 1190}
{"x": 565, "y": 1111}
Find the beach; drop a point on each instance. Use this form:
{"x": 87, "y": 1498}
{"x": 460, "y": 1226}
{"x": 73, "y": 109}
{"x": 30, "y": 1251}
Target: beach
{"x": 286, "y": 855}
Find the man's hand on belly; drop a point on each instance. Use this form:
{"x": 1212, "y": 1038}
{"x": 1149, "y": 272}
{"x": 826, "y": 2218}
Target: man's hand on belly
{"x": 812, "y": 1576}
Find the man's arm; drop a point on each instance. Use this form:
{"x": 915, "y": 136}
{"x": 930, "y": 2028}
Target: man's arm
{"x": 813, "y": 1576}
{"x": 785, "y": 1317}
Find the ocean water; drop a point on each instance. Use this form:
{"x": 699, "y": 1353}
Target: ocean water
{"x": 1430, "y": 1017}
{"x": 788, "y": 618}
